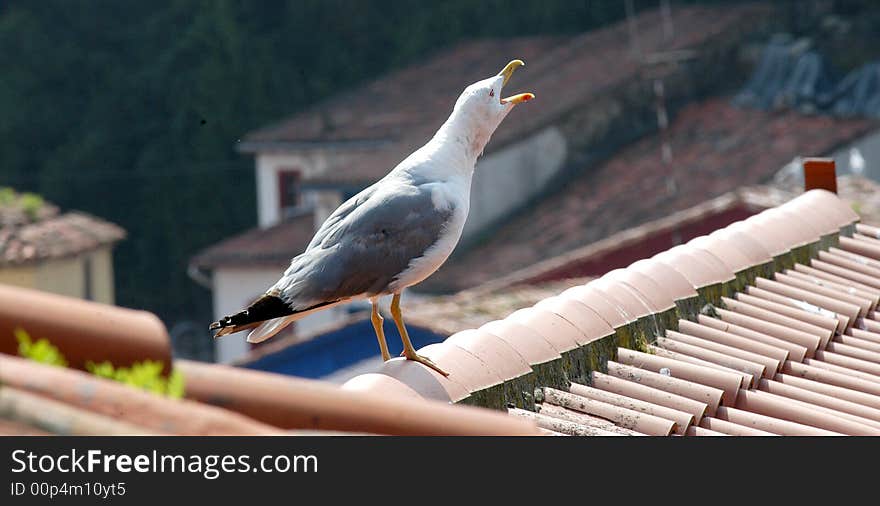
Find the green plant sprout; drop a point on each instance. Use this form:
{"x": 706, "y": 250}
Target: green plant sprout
{"x": 41, "y": 351}
{"x": 146, "y": 375}
{"x": 7, "y": 196}
{"x": 31, "y": 203}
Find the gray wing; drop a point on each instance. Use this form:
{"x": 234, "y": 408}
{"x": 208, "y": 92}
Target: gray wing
{"x": 364, "y": 246}
{"x": 342, "y": 212}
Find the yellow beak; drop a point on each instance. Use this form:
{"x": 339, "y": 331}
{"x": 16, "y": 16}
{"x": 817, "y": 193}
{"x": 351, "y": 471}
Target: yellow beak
{"x": 507, "y": 71}
{"x": 522, "y": 97}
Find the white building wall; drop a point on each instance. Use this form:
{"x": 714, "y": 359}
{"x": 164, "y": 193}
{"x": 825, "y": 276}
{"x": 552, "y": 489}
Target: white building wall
{"x": 504, "y": 180}
{"x": 309, "y": 163}
{"x": 234, "y": 289}
{"x": 860, "y": 157}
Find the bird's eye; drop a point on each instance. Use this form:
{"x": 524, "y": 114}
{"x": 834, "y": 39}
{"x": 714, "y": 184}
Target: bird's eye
{"x": 491, "y": 93}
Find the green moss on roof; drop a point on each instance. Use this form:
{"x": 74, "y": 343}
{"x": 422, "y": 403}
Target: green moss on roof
{"x": 23, "y": 208}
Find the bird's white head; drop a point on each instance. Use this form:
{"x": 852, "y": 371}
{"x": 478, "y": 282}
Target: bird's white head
{"x": 480, "y": 108}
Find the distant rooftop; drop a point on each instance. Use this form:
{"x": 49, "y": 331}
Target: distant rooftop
{"x": 400, "y": 111}
{"x": 32, "y": 229}
{"x": 265, "y": 247}
{"x": 716, "y": 148}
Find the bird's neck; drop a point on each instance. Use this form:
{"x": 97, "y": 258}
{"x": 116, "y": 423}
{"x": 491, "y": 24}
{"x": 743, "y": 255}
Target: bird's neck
{"x": 462, "y": 139}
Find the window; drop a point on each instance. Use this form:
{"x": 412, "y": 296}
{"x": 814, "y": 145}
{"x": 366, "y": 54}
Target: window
{"x": 288, "y": 190}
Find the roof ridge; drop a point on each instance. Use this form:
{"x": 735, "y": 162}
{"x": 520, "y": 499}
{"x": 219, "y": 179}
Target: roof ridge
{"x": 651, "y": 295}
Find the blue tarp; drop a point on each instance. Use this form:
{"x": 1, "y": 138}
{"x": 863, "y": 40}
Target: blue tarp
{"x": 337, "y": 349}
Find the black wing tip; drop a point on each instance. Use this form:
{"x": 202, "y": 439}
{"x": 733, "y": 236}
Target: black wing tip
{"x": 267, "y": 307}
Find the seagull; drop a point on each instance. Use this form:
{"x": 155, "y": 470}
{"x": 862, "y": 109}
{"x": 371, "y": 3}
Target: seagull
{"x": 393, "y": 234}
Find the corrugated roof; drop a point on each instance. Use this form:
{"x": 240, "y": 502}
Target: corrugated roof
{"x": 381, "y": 122}
{"x": 774, "y": 333}
{"x": 717, "y": 148}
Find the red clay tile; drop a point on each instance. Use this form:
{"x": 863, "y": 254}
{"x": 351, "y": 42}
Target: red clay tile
{"x": 739, "y": 306}
{"x": 468, "y": 370}
{"x": 842, "y": 273}
{"x": 730, "y": 428}
{"x": 731, "y": 340}
{"x": 642, "y": 392}
{"x": 26, "y": 238}
{"x": 708, "y": 395}
{"x": 557, "y": 330}
{"x": 697, "y": 431}
{"x": 756, "y": 252}
{"x": 627, "y": 298}
{"x": 273, "y": 246}
{"x": 771, "y": 424}
{"x": 810, "y": 341}
{"x": 380, "y": 383}
{"x": 82, "y": 330}
{"x": 639, "y": 421}
{"x": 657, "y": 298}
{"x": 783, "y": 408}
{"x": 697, "y": 272}
{"x": 796, "y": 351}
{"x": 831, "y": 294}
{"x": 529, "y": 344}
{"x": 774, "y": 244}
{"x": 682, "y": 419}
{"x": 746, "y": 379}
{"x": 770, "y": 365}
{"x": 775, "y": 302}
{"x": 493, "y": 351}
{"x": 725, "y": 381}
{"x": 734, "y": 259}
{"x": 864, "y": 414}
{"x": 591, "y": 325}
{"x": 425, "y": 381}
{"x": 671, "y": 281}
{"x": 600, "y": 303}
{"x": 846, "y": 312}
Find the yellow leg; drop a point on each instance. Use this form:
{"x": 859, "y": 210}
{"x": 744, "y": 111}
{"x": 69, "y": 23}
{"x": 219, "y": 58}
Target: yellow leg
{"x": 408, "y": 350}
{"x": 380, "y": 332}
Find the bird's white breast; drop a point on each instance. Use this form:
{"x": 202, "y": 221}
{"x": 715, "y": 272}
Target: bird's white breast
{"x": 452, "y": 194}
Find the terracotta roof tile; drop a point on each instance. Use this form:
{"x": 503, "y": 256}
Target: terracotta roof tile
{"x": 32, "y": 230}
{"x": 795, "y": 355}
{"x": 219, "y": 400}
{"x": 599, "y": 202}
{"x": 82, "y": 330}
{"x": 381, "y": 123}
{"x": 448, "y": 314}
{"x": 270, "y": 247}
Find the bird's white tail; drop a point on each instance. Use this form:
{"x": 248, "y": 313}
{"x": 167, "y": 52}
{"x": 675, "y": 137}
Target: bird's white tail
{"x": 269, "y": 328}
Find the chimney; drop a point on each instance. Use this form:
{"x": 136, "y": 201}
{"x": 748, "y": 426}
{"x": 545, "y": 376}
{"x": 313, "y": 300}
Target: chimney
{"x": 820, "y": 173}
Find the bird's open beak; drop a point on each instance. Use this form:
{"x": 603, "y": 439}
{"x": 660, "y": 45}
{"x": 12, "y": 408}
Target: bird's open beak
{"x": 507, "y": 71}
